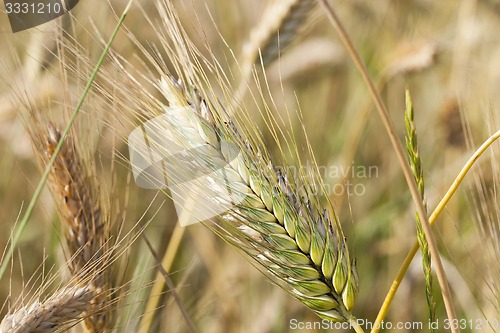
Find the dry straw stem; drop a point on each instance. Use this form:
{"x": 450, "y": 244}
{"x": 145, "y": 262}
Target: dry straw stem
{"x": 435, "y": 214}
{"x": 191, "y": 326}
{"x": 63, "y": 309}
{"x": 155, "y": 293}
{"x": 416, "y": 56}
{"x": 418, "y": 173}
{"x": 445, "y": 290}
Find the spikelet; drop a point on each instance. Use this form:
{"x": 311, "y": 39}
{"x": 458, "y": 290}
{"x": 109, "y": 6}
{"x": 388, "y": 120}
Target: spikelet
{"x": 276, "y": 30}
{"x": 64, "y": 308}
{"x": 415, "y": 162}
{"x": 295, "y": 242}
{"x": 79, "y": 208}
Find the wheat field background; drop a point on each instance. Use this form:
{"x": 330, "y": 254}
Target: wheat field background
{"x": 446, "y": 53}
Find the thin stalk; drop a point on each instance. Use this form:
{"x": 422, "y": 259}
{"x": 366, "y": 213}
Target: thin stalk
{"x": 435, "y": 214}
{"x": 353, "y": 322}
{"x": 386, "y": 120}
{"x": 191, "y": 326}
{"x": 29, "y": 210}
{"x": 156, "y": 289}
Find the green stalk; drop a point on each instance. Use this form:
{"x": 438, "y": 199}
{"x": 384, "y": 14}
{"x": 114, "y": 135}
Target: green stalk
{"x": 418, "y": 172}
{"x": 435, "y": 214}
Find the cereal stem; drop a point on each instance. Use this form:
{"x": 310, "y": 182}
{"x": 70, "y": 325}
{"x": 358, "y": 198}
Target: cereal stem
{"x": 435, "y": 214}
{"x": 384, "y": 115}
